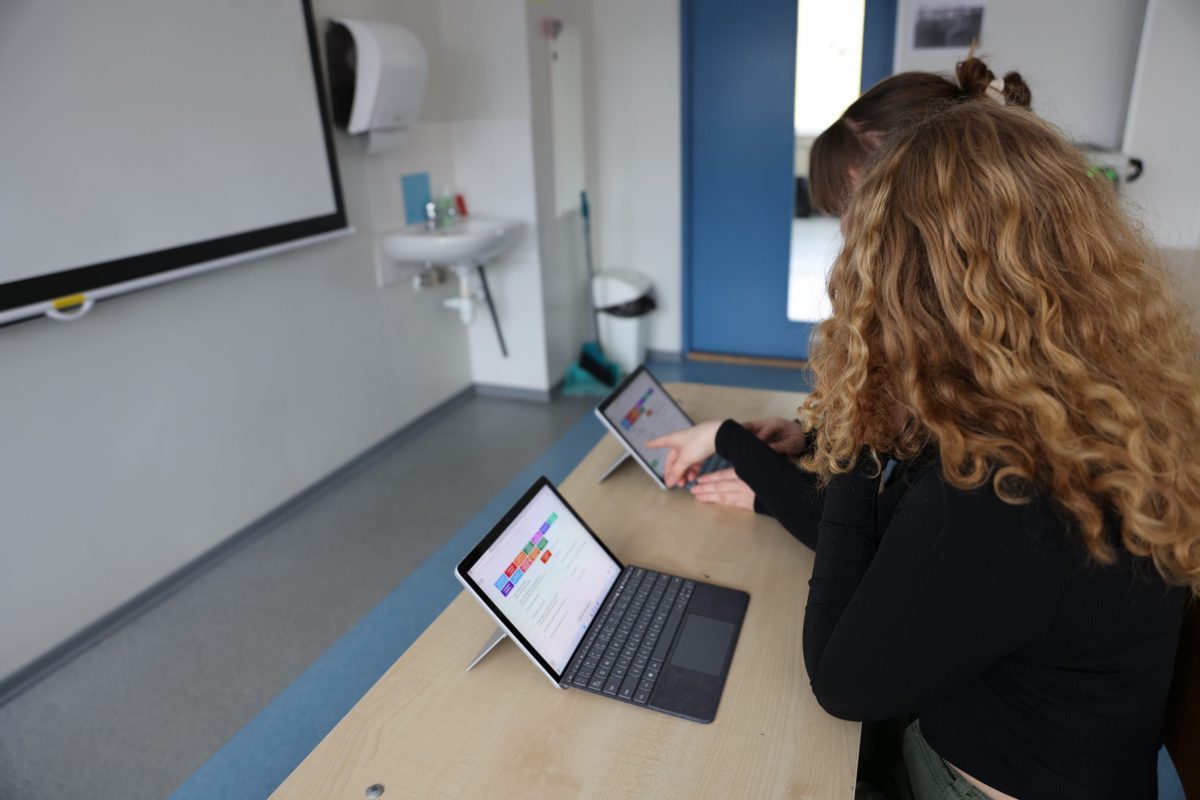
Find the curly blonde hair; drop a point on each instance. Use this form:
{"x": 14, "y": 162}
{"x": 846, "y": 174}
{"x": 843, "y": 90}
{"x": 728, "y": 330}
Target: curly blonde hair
{"x": 992, "y": 300}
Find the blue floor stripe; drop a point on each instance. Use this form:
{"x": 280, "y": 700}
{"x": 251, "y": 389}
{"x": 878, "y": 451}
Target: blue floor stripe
{"x": 260, "y": 756}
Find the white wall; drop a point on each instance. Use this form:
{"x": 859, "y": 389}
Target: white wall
{"x": 564, "y": 273}
{"x": 1164, "y": 121}
{"x": 638, "y": 192}
{"x": 144, "y": 434}
{"x": 488, "y": 73}
{"x": 498, "y": 72}
{"x": 1076, "y": 55}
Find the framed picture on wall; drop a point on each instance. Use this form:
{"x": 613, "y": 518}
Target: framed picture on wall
{"x": 946, "y": 24}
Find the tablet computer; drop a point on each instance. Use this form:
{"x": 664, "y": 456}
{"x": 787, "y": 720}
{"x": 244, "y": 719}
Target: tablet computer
{"x": 640, "y": 410}
{"x": 587, "y": 621}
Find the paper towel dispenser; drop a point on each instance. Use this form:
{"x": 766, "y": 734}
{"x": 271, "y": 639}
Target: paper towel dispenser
{"x": 377, "y": 75}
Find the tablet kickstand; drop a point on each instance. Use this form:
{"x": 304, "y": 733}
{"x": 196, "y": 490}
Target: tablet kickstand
{"x": 497, "y": 636}
{"x": 621, "y": 459}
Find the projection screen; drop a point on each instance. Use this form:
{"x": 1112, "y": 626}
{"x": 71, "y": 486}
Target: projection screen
{"x": 145, "y": 140}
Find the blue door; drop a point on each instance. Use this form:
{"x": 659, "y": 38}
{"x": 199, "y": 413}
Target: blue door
{"x": 739, "y": 62}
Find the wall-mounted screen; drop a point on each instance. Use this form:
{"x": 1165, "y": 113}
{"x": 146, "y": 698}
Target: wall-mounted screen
{"x": 141, "y": 140}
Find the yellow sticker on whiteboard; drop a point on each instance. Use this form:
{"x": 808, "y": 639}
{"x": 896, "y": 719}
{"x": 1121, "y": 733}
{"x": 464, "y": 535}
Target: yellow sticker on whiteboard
{"x": 69, "y": 301}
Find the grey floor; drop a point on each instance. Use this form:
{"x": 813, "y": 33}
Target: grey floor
{"x": 135, "y": 715}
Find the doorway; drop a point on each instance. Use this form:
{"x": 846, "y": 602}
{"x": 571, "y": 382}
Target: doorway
{"x": 759, "y": 80}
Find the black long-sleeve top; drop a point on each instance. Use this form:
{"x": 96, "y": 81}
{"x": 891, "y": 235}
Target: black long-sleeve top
{"x": 1031, "y": 668}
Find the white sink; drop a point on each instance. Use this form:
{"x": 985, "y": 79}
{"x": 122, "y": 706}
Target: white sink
{"x": 469, "y": 241}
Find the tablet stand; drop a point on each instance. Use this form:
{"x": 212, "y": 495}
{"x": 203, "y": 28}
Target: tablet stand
{"x": 621, "y": 459}
{"x": 497, "y": 636}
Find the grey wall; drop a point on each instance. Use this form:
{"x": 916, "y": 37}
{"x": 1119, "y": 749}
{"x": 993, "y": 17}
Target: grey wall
{"x": 163, "y": 422}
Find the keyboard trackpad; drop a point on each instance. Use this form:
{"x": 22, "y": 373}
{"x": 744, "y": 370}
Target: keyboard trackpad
{"x": 703, "y": 644}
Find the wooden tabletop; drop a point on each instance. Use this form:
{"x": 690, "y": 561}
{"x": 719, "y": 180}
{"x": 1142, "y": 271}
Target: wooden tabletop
{"x": 430, "y": 729}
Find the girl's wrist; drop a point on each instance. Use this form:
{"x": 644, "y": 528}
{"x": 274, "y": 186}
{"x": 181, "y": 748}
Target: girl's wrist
{"x": 710, "y": 434}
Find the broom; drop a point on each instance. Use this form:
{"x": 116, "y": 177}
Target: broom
{"x": 592, "y": 373}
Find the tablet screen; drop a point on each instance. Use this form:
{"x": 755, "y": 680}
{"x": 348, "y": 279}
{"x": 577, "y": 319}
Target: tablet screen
{"x": 643, "y": 411}
{"x": 547, "y": 575}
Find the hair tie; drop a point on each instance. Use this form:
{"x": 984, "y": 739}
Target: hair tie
{"x": 995, "y": 90}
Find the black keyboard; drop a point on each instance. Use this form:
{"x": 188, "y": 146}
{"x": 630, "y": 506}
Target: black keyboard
{"x": 623, "y": 652}
{"x": 713, "y": 463}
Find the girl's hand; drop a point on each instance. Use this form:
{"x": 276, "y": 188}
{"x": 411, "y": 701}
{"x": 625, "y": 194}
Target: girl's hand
{"x": 686, "y": 451}
{"x": 725, "y": 488}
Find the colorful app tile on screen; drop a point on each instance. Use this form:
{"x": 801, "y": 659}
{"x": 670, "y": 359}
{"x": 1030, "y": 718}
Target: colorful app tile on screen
{"x": 635, "y": 413}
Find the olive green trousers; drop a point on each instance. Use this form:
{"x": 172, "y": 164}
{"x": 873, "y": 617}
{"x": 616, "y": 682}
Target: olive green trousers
{"x": 896, "y": 763}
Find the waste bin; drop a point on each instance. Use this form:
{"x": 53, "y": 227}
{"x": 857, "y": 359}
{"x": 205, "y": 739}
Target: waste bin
{"x": 623, "y": 299}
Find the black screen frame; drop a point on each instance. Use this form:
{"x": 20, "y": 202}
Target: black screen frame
{"x": 464, "y": 566}
{"x": 79, "y": 280}
{"x": 616, "y": 429}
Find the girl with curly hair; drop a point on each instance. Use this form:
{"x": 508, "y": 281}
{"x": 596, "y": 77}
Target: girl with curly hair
{"x": 836, "y": 161}
{"x": 1001, "y": 470}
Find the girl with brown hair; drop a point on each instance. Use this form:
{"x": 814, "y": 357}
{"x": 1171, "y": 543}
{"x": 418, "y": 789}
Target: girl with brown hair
{"x": 835, "y": 163}
{"x": 1004, "y": 341}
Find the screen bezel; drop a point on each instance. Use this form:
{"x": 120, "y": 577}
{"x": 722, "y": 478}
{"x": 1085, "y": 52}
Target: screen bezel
{"x": 616, "y": 430}
{"x": 462, "y": 571}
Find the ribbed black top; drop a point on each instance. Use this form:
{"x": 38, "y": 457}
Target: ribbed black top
{"x": 1032, "y": 668}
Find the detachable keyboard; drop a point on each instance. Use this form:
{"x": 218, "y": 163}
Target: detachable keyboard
{"x": 623, "y": 652}
{"x": 713, "y": 463}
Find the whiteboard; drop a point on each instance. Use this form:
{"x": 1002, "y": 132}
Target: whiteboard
{"x": 142, "y": 138}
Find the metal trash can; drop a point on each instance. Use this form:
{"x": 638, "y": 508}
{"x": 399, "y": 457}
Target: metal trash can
{"x": 623, "y": 300}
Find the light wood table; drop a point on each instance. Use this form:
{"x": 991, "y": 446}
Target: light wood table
{"x": 430, "y": 729}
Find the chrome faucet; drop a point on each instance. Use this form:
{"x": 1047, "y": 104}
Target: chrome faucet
{"x": 431, "y": 216}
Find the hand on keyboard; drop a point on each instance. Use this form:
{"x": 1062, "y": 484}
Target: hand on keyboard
{"x": 709, "y": 466}
{"x": 686, "y": 451}
{"x": 723, "y": 487}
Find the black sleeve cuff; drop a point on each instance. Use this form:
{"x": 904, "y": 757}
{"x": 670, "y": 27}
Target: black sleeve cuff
{"x": 727, "y": 438}
{"x": 782, "y": 491}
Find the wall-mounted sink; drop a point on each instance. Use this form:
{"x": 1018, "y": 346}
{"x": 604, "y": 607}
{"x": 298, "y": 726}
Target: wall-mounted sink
{"x": 464, "y": 245}
{"x": 471, "y": 241}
